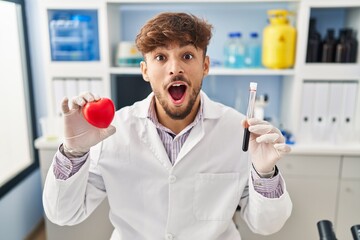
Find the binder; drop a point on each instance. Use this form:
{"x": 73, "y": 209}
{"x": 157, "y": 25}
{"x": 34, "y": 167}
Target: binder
{"x": 83, "y": 85}
{"x": 58, "y": 87}
{"x": 96, "y": 86}
{"x": 306, "y": 114}
{"x": 71, "y": 88}
{"x": 336, "y": 99}
{"x": 320, "y": 123}
{"x": 347, "y": 122}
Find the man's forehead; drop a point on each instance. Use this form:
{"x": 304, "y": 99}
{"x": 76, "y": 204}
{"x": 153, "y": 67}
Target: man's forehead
{"x": 171, "y": 46}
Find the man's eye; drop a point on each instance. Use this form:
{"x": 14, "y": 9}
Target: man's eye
{"x": 160, "y": 57}
{"x": 188, "y": 56}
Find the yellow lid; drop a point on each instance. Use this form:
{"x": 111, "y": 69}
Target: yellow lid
{"x": 278, "y": 16}
{"x": 278, "y": 12}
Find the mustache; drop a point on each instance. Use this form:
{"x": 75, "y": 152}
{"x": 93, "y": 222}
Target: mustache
{"x": 179, "y": 78}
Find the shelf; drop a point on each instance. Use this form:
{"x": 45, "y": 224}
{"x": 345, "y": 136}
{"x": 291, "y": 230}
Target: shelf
{"x": 252, "y": 72}
{"x": 216, "y": 71}
{"x": 199, "y": 1}
{"x": 331, "y": 71}
{"x": 77, "y": 68}
{"x": 351, "y": 149}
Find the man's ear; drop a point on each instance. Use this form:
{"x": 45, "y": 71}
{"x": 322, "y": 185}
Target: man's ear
{"x": 206, "y": 65}
{"x": 143, "y": 68}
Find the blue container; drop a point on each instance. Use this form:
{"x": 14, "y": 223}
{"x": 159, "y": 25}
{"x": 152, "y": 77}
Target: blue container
{"x": 234, "y": 51}
{"x": 74, "y": 35}
{"x": 253, "y": 51}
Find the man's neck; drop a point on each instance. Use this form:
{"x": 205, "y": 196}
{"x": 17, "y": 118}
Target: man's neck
{"x": 174, "y": 125}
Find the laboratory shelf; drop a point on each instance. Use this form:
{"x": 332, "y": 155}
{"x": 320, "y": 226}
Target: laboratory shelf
{"x": 200, "y": 1}
{"x": 252, "y": 71}
{"x": 331, "y": 71}
{"x": 350, "y": 149}
{"x": 216, "y": 71}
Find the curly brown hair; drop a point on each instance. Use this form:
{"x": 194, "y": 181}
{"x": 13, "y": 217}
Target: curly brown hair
{"x": 170, "y": 27}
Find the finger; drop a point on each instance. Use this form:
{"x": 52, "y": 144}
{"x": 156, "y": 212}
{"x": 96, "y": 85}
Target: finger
{"x": 96, "y": 97}
{"x": 65, "y": 105}
{"x": 261, "y": 129}
{"x": 244, "y": 123}
{"x": 282, "y": 147}
{"x": 104, "y": 133}
{"x": 77, "y": 102}
{"x": 88, "y": 96}
{"x": 256, "y": 121}
{"x": 268, "y": 138}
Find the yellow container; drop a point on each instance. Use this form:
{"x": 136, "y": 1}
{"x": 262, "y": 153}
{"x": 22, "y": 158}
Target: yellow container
{"x": 279, "y": 40}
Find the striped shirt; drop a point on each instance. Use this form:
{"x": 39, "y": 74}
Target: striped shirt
{"x": 268, "y": 187}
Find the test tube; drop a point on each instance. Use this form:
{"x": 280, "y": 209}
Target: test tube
{"x": 249, "y": 114}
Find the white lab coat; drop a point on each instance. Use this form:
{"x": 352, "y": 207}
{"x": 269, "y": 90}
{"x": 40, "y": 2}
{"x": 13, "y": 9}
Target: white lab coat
{"x": 151, "y": 199}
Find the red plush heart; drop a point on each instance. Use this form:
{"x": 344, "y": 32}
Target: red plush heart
{"x": 99, "y": 113}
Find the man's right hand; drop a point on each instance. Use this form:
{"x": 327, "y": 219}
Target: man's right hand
{"x": 79, "y": 134}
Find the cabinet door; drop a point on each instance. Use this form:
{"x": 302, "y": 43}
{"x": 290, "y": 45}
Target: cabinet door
{"x": 349, "y": 208}
{"x": 313, "y": 190}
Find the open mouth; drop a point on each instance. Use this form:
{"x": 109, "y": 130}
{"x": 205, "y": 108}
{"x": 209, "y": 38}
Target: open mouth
{"x": 177, "y": 91}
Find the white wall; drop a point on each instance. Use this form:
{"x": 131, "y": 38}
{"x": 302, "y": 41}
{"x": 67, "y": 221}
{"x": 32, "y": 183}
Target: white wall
{"x": 21, "y": 209}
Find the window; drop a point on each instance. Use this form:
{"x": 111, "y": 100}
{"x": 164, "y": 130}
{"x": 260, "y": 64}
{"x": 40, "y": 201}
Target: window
{"x": 18, "y": 157}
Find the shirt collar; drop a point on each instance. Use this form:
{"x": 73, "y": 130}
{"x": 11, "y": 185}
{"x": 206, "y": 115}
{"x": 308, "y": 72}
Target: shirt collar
{"x": 153, "y": 117}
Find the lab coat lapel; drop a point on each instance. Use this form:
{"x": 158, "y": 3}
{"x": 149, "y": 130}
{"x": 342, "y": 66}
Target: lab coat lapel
{"x": 195, "y": 136}
{"x": 211, "y": 111}
{"x": 150, "y": 138}
{"x": 148, "y": 133}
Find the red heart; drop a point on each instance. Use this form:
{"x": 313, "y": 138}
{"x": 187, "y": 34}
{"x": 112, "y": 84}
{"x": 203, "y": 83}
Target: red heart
{"x": 99, "y": 113}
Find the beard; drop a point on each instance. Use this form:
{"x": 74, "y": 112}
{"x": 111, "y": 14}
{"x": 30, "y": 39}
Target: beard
{"x": 179, "y": 113}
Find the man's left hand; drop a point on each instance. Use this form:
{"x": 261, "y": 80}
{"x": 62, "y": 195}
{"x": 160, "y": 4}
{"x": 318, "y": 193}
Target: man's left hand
{"x": 267, "y": 144}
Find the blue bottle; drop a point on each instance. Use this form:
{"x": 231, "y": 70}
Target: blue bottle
{"x": 253, "y": 51}
{"x": 234, "y": 51}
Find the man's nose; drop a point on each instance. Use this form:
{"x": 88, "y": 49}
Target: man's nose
{"x": 175, "y": 67}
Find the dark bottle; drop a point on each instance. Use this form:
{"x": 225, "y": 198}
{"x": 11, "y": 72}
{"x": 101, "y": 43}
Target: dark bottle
{"x": 342, "y": 48}
{"x": 314, "y": 43}
{"x": 328, "y": 47}
{"x": 353, "y": 46}
{"x": 326, "y": 231}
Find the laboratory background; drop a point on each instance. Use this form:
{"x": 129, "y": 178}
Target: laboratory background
{"x": 303, "y": 54}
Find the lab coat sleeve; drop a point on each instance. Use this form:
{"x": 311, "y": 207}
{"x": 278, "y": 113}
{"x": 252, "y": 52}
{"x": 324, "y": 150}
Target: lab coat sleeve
{"x": 265, "y": 215}
{"x": 71, "y": 201}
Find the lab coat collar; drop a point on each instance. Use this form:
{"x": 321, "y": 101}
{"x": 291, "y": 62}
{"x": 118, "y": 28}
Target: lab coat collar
{"x": 212, "y": 110}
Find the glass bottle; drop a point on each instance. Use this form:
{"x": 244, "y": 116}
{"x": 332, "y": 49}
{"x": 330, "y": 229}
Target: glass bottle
{"x": 253, "y": 51}
{"x": 234, "y": 51}
{"x": 314, "y": 42}
{"x": 342, "y": 47}
{"x": 328, "y": 47}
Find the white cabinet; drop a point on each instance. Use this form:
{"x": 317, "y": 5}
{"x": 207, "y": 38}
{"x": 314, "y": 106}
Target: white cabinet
{"x": 336, "y": 15}
{"x": 348, "y": 212}
{"x": 312, "y": 182}
{"x": 96, "y": 226}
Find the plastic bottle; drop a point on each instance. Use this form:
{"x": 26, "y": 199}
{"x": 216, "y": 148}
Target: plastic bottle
{"x": 328, "y": 47}
{"x": 314, "y": 43}
{"x": 279, "y": 38}
{"x": 234, "y": 51}
{"x": 253, "y": 51}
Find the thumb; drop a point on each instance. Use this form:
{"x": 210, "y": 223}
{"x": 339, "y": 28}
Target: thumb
{"x": 107, "y": 132}
{"x": 282, "y": 148}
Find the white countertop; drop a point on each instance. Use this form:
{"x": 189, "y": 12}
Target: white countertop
{"x": 352, "y": 149}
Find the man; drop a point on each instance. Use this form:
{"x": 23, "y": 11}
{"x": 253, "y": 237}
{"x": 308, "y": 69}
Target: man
{"x": 174, "y": 169}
